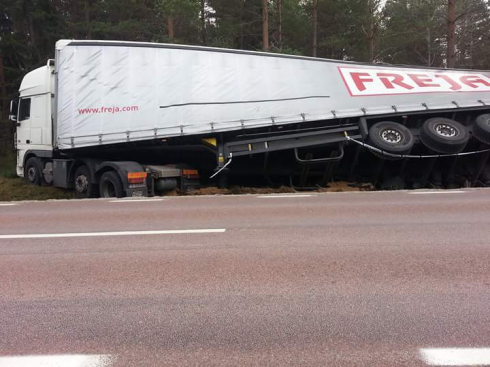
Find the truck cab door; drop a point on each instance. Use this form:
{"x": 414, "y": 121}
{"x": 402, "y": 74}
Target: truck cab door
{"x": 40, "y": 119}
{"x": 24, "y": 122}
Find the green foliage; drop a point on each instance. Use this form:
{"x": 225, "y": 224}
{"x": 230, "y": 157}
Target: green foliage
{"x": 7, "y": 164}
{"x": 186, "y": 8}
{"x": 401, "y": 31}
{"x": 414, "y": 32}
{"x": 296, "y": 28}
{"x": 14, "y": 188}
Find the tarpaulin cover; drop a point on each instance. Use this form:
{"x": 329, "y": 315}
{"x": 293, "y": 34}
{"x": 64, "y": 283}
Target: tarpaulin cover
{"x": 115, "y": 92}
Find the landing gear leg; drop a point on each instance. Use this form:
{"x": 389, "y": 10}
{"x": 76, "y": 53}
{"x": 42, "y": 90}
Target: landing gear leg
{"x": 221, "y": 171}
{"x": 429, "y": 167}
{"x": 481, "y": 165}
{"x": 377, "y": 171}
{"x": 451, "y": 177}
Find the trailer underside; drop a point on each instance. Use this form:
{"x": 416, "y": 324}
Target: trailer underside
{"x": 310, "y": 155}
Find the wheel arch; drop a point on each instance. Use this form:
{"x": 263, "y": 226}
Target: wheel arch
{"x": 121, "y": 168}
{"x": 47, "y": 154}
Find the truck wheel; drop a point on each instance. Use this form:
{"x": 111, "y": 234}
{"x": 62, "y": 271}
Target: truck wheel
{"x": 32, "y": 171}
{"x": 481, "y": 128}
{"x": 47, "y": 173}
{"x": 444, "y": 135}
{"x": 391, "y": 137}
{"x": 83, "y": 187}
{"x": 110, "y": 185}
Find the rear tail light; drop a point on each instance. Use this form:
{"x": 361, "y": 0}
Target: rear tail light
{"x": 137, "y": 177}
{"x": 190, "y": 173}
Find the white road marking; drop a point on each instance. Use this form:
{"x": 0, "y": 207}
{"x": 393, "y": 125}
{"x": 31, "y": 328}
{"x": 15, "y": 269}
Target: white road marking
{"x": 456, "y": 356}
{"x": 105, "y": 234}
{"x": 8, "y": 204}
{"x": 283, "y": 196}
{"x": 436, "y": 192}
{"x": 75, "y": 360}
{"x": 134, "y": 200}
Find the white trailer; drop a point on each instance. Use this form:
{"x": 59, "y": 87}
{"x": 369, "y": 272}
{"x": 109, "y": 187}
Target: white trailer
{"x": 104, "y": 106}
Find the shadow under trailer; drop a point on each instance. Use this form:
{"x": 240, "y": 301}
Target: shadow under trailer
{"x": 115, "y": 119}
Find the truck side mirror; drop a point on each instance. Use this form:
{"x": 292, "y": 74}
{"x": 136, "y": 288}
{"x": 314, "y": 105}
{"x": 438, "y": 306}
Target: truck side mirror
{"x": 14, "y": 108}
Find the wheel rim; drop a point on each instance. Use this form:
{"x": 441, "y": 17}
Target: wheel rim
{"x": 81, "y": 184}
{"x": 109, "y": 190}
{"x": 31, "y": 174}
{"x": 446, "y": 130}
{"x": 391, "y": 136}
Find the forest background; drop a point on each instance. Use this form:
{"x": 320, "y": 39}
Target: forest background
{"x": 436, "y": 33}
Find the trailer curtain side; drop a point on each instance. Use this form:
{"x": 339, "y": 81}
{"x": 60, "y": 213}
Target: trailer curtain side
{"x": 110, "y": 92}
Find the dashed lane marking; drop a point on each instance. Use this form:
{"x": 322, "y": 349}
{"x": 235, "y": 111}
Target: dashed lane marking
{"x": 435, "y": 192}
{"x": 107, "y": 234}
{"x": 456, "y": 356}
{"x": 135, "y": 200}
{"x": 9, "y": 204}
{"x": 283, "y": 196}
{"x": 75, "y": 360}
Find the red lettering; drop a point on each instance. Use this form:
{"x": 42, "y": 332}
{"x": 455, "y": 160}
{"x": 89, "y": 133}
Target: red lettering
{"x": 396, "y": 79}
{"x": 472, "y": 81}
{"x": 360, "y": 81}
{"x": 102, "y": 109}
{"x": 423, "y": 80}
{"x": 452, "y": 83}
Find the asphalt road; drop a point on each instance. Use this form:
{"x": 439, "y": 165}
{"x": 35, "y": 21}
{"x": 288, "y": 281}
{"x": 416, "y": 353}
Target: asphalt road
{"x": 355, "y": 279}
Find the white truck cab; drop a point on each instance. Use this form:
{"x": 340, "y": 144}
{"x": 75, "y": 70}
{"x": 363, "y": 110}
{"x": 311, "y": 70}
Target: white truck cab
{"x": 33, "y": 113}
{"x": 40, "y": 162}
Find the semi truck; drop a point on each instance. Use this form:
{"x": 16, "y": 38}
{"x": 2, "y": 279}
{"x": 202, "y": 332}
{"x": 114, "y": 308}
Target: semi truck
{"x": 115, "y": 119}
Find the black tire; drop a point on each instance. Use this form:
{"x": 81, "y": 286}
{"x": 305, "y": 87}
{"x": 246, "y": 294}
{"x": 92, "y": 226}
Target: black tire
{"x": 391, "y": 137}
{"x": 32, "y": 171}
{"x": 444, "y": 135}
{"x": 83, "y": 183}
{"x": 481, "y": 128}
{"x": 110, "y": 185}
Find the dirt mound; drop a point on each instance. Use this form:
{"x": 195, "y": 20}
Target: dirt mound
{"x": 243, "y": 190}
{"x": 342, "y": 186}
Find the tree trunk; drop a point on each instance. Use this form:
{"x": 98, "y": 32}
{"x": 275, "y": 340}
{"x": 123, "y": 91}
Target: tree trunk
{"x": 265, "y": 25}
{"x": 279, "y": 12}
{"x": 170, "y": 27}
{"x": 87, "y": 20}
{"x": 3, "y": 91}
{"x": 429, "y": 46}
{"x": 372, "y": 30}
{"x": 371, "y": 48}
{"x": 451, "y": 30}
{"x": 203, "y": 22}
{"x": 241, "y": 26}
{"x": 32, "y": 37}
{"x": 315, "y": 28}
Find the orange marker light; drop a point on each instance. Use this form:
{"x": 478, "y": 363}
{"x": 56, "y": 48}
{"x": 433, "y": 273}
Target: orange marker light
{"x": 190, "y": 172}
{"x": 137, "y": 177}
